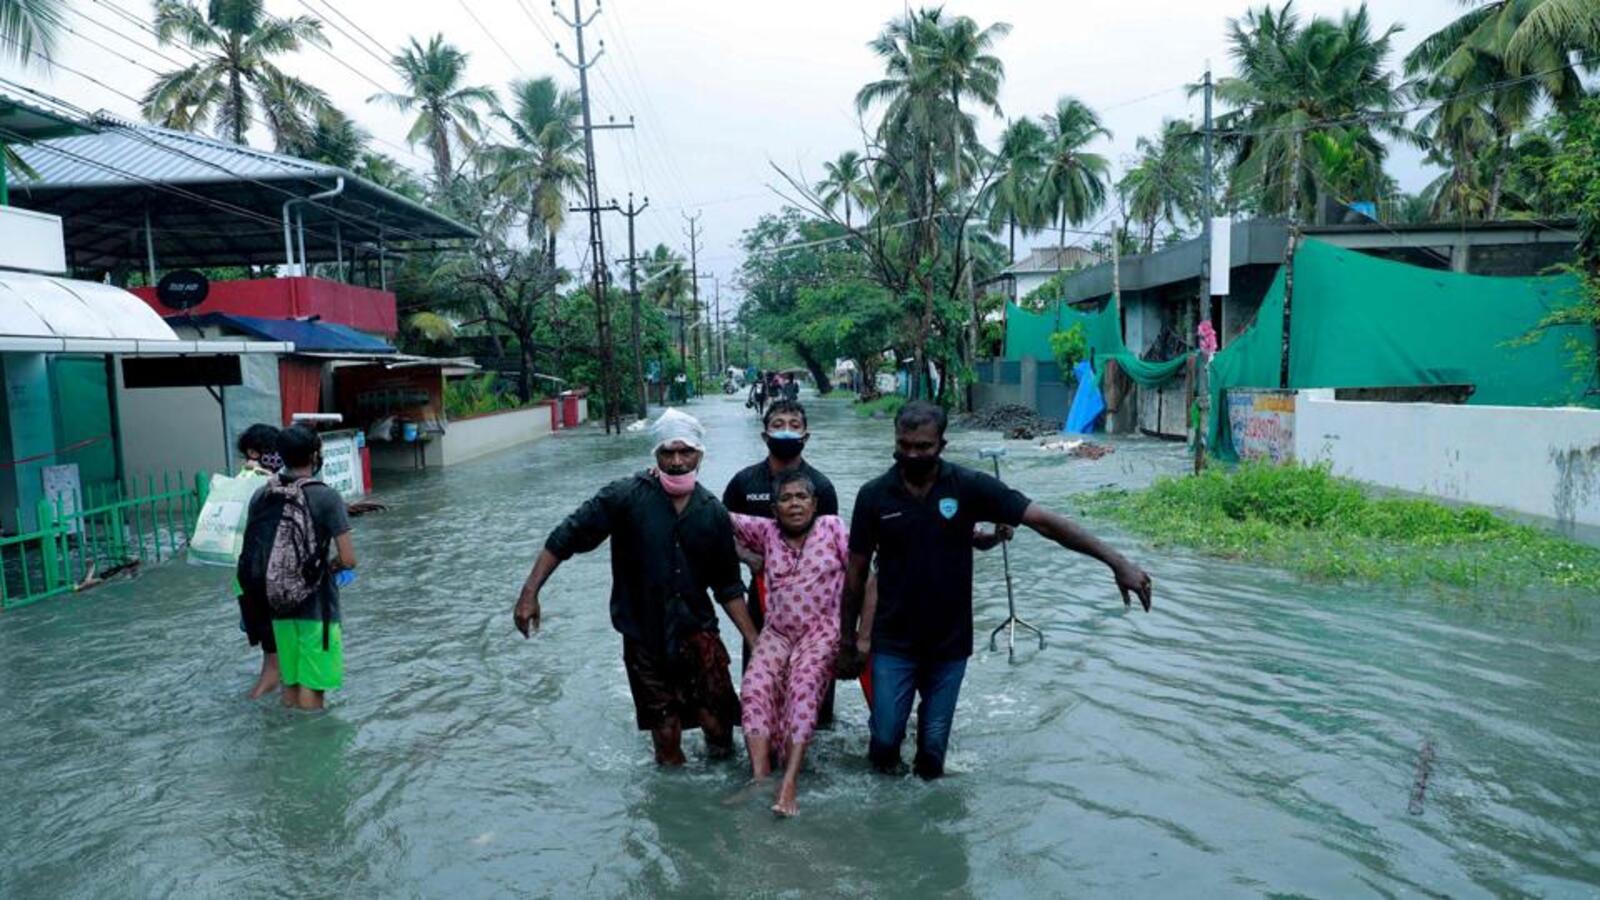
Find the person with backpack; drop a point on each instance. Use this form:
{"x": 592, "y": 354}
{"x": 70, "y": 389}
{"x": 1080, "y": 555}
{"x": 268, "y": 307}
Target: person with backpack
{"x": 293, "y": 525}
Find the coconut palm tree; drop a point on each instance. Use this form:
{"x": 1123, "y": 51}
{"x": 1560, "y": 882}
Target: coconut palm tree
{"x": 1490, "y": 69}
{"x": 1074, "y": 184}
{"x": 446, "y": 111}
{"x": 1013, "y": 197}
{"x": 1293, "y": 80}
{"x": 932, "y": 65}
{"x": 334, "y": 139}
{"x": 1165, "y": 184}
{"x": 846, "y": 183}
{"x": 236, "y": 77}
{"x": 29, "y": 28}
{"x": 546, "y": 162}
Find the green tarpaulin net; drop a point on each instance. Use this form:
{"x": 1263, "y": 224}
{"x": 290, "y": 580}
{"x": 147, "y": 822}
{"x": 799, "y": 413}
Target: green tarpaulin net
{"x": 1028, "y": 334}
{"x": 1361, "y": 321}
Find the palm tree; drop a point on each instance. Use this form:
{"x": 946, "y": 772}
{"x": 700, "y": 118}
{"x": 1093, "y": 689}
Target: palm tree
{"x": 446, "y": 110}
{"x": 546, "y": 162}
{"x": 29, "y": 28}
{"x": 335, "y": 139}
{"x": 1013, "y": 198}
{"x": 1074, "y": 183}
{"x": 1165, "y": 184}
{"x": 931, "y": 66}
{"x": 236, "y": 75}
{"x": 1489, "y": 70}
{"x": 1326, "y": 77}
{"x": 846, "y": 182}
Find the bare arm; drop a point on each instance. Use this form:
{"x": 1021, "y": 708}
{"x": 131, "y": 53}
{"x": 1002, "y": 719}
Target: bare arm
{"x": 739, "y": 612}
{"x": 1131, "y": 580}
{"x": 526, "y": 614}
{"x": 346, "y": 551}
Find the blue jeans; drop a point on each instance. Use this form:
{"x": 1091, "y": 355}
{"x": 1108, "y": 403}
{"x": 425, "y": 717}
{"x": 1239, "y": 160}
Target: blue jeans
{"x": 894, "y": 680}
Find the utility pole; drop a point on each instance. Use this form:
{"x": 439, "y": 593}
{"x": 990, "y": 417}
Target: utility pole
{"x": 716, "y": 333}
{"x": 632, "y": 212}
{"x": 694, "y": 284}
{"x": 1199, "y": 389}
{"x": 597, "y": 248}
{"x": 1289, "y": 247}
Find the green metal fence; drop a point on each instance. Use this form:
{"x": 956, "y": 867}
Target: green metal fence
{"x": 71, "y": 547}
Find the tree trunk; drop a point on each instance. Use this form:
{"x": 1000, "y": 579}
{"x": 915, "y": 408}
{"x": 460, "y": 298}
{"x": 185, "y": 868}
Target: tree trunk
{"x": 525, "y": 377}
{"x": 1501, "y": 160}
{"x": 820, "y": 375}
{"x": 1011, "y": 238}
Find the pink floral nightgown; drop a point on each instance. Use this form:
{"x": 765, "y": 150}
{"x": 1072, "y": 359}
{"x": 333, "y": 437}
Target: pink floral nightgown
{"x": 793, "y": 660}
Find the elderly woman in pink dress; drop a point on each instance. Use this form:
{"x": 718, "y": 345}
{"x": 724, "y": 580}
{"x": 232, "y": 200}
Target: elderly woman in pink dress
{"x": 794, "y": 656}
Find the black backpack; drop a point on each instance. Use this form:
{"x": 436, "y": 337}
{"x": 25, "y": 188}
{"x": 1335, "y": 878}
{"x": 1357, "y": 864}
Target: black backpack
{"x": 280, "y": 526}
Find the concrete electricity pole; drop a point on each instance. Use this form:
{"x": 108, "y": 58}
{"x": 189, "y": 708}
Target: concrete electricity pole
{"x": 597, "y": 248}
{"x": 632, "y": 212}
{"x": 1199, "y": 389}
{"x": 694, "y": 285}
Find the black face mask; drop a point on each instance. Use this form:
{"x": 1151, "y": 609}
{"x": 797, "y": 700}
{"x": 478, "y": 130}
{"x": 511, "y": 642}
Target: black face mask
{"x": 785, "y": 448}
{"x": 916, "y": 467}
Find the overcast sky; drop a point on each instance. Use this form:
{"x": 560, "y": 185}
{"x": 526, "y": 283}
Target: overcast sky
{"x": 719, "y": 90}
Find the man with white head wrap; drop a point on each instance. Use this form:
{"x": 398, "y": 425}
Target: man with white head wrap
{"x": 672, "y": 549}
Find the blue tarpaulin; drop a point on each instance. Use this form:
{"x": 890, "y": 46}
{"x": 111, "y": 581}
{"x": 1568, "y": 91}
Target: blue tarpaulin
{"x": 1087, "y": 404}
{"x": 307, "y": 336}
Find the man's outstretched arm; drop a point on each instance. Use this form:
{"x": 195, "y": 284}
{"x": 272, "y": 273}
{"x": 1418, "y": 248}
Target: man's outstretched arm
{"x": 584, "y": 530}
{"x": 1131, "y": 580}
{"x": 526, "y": 614}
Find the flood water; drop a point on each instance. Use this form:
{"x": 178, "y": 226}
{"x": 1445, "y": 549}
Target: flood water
{"x": 1253, "y": 735}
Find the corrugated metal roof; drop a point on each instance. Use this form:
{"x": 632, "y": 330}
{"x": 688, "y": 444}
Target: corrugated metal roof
{"x": 130, "y": 154}
{"x": 207, "y": 202}
{"x": 30, "y": 121}
{"x": 306, "y": 336}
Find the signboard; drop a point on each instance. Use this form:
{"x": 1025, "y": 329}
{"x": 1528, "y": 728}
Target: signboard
{"x": 64, "y": 493}
{"x": 341, "y": 464}
{"x": 1221, "y": 255}
{"x": 181, "y": 371}
{"x": 1262, "y": 422}
{"x": 183, "y": 289}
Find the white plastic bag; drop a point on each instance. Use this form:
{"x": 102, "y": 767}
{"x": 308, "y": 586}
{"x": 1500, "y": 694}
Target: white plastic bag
{"x": 219, "y": 531}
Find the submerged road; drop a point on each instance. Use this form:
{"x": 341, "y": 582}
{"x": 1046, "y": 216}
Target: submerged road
{"x": 1253, "y": 735}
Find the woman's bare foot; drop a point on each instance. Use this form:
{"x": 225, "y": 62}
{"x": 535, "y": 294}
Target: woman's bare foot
{"x": 786, "y": 805}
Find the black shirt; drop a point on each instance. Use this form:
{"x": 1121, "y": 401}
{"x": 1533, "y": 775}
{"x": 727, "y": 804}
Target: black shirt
{"x": 749, "y": 493}
{"x": 924, "y": 551}
{"x": 662, "y": 564}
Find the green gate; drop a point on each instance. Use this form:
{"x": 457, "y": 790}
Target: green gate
{"x": 72, "y": 548}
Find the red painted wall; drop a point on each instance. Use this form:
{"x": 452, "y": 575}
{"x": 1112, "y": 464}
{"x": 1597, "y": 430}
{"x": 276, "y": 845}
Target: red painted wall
{"x": 361, "y": 308}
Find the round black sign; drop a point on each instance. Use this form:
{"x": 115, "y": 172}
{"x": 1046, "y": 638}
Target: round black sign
{"x": 183, "y": 289}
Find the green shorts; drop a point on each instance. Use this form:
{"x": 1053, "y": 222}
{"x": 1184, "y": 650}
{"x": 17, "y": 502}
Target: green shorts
{"x": 301, "y": 658}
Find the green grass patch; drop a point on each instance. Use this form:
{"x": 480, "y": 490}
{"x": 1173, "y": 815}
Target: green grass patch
{"x": 1321, "y": 527}
{"x": 885, "y": 407}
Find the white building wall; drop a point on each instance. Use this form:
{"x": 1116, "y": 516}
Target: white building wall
{"x": 466, "y": 439}
{"x": 1532, "y": 460}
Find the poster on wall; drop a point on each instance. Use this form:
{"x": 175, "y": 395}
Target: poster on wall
{"x": 64, "y": 493}
{"x": 1262, "y": 422}
{"x": 341, "y": 464}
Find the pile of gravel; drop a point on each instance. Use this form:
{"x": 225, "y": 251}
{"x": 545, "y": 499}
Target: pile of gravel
{"x": 1012, "y": 420}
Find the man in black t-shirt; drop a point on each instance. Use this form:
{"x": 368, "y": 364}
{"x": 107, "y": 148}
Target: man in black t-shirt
{"x": 917, "y": 519}
{"x": 750, "y": 493}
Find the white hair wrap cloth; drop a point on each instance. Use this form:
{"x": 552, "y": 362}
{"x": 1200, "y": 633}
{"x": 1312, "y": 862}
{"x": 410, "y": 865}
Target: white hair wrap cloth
{"x": 674, "y": 427}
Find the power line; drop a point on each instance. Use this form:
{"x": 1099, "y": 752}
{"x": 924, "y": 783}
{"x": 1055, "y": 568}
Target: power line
{"x": 125, "y": 36}
{"x": 490, "y": 35}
